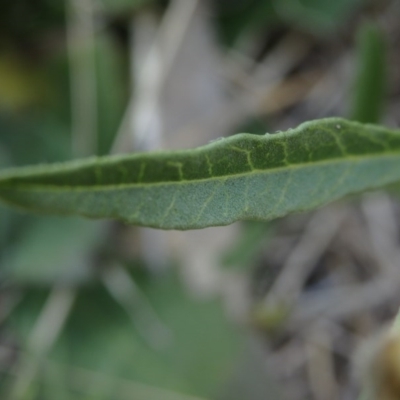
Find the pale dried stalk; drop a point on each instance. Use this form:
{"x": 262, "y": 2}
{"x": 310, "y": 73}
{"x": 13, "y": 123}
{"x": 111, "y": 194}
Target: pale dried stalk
{"x": 42, "y": 338}
{"x": 81, "y": 56}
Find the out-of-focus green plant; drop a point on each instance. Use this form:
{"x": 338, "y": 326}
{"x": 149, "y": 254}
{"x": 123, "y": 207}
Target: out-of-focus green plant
{"x": 371, "y": 75}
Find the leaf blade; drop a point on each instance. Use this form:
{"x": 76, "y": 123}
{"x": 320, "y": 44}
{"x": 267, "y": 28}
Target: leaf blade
{"x": 241, "y": 177}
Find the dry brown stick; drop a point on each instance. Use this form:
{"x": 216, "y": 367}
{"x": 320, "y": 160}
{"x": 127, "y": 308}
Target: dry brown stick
{"x": 8, "y": 303}
{"x": 145, "y": 319}
{"x": 142, "y": 126}
{"x": 382, "y": 228}
{"x": 140, "y": 121}
{"x": 343, "y": 302}
{"x": 318, "y": 234}
{"x": 81, "y": 57}
{"x": 320, "y": 364}
{"x": 250, "y": 98}
{"x": 42, "y": 337}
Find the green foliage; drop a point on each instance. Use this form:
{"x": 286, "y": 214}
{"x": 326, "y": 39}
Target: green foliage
{"x": 320, "y": 17}
{"x": 370, "y": 90}
{"x": 105, "y": 354}
{"x": 111, "y": 91}
{"x": 52, "y": 249}
{"x": 123, "y": 6}
{"x": 33, "y": 139}
{"x": 317, "y": 16}
{"x": 25, "y": 20}
{"x": 244, "y": 251}
{"x": 241, "y": 17}
{"x": 241, "y": 177}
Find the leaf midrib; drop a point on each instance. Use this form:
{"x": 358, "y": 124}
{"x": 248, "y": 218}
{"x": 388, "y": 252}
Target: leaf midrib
{"x": 254, "y": 172}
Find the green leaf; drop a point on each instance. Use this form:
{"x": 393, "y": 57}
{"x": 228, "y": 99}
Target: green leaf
{"x": 241, "y": 177}
{"x": 317, "y": 16}
{"x": 371, "y": 83}
{"x": 111, "y": 90}
{"x": 53, "y": 249}
{"x": 243, "y": 17}
{"x": 100, "y": 352}
{"x": 244, "y": 251}
{"x": 122, "y": 6}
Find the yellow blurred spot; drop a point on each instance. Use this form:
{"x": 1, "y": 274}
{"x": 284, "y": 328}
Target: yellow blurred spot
{"x": 20, "y": 84}
{"x": 270, "y": 319}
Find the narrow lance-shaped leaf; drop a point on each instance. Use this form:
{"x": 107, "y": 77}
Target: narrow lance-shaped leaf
{"x": 371, "y": 75}
{"x": 241, "y": 177}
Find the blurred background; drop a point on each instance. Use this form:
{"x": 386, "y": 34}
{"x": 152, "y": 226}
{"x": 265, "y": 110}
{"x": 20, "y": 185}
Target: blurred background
{"x": 258, "y": 311}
